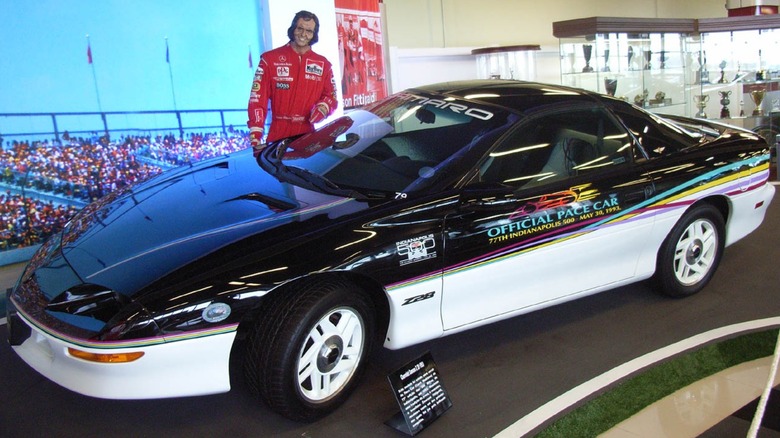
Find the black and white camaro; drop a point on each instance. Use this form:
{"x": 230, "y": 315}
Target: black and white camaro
{"x": 436, "y": 210}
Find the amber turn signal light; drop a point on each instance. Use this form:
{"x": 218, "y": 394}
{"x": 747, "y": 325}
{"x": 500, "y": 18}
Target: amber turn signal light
{"x": 106, "y": 358}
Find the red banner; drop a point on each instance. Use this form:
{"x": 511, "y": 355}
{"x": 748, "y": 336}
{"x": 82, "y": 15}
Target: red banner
{"x": 360, "y": 51}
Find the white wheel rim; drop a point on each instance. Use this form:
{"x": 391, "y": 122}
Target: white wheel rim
{"x": 695, "y": 252}
{"x": 330, "y": 354}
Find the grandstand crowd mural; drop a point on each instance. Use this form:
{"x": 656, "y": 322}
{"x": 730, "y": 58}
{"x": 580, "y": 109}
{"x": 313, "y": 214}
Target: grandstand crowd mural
{"x": 44, "y": 183}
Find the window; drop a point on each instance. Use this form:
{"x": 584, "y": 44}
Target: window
{"x": 406, "y": 143}
{"x": 557, "y": 147}
{"x": 656, "y": 136}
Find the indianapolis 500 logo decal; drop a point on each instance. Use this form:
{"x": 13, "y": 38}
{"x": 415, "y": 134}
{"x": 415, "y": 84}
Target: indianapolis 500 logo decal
{"x": 416, "y": 249}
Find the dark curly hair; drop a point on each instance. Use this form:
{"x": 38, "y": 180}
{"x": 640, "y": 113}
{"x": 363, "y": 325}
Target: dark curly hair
{"x": 306, "y": 15}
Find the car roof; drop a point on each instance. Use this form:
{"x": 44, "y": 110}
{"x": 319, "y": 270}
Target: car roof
{"x": 516, "y": 95}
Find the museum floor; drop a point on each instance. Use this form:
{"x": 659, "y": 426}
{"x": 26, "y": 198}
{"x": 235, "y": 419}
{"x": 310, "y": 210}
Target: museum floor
{"x": 507, "y": 380}
{"x": 722, "y": 405}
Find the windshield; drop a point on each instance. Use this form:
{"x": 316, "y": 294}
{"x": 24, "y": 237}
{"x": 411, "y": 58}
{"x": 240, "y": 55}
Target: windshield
{"x": 396, "y": 146}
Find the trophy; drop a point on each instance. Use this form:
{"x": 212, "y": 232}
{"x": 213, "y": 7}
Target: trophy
{"x": 610, "y": 85}
{"x": 701, "y": 103}
{"x": 725, "y": 101}
{"x": 648, "y": 56}
{"x": 703, "y": 75}
{"x": 587, "y": 50}
{"x": 641, "y": 99}
{"x": 663, "y": 59}
{"x": 758, "y": 97}
{"x": 630, "y": 55}
{"x": 660, "y": 99}
{"x": 606, "y": 60}
{"x": 738, "y": 75}
{"x": 722, "y": 79}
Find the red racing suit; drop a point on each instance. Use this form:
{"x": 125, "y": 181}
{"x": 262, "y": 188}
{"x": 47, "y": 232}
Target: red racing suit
{"x": 295, "y": 84}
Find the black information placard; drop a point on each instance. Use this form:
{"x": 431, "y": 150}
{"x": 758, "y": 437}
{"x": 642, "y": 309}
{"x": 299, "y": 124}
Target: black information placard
{"x": 420, "y": 394}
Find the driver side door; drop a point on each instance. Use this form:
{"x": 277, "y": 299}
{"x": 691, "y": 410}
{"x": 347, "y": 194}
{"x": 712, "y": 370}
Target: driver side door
{"x": 550, "y": 219}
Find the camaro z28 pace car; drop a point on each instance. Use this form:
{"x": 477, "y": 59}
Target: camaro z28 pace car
{"x": 378, "y": 229}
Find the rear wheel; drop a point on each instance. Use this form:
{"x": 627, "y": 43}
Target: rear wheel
{"x": 305, "y": 357}
{"x": 691, "y": 253}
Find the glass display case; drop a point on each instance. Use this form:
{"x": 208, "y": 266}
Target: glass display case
{"x": 506, "y": 62}
{"x": 642, "y": 60}
{"x": 736, "y": 76}
{"x": 716, "y": 68}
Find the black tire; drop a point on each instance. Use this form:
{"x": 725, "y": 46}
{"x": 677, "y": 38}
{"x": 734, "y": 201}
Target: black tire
{"x": 291, "y": 329}
{"x": 691, "y": 252}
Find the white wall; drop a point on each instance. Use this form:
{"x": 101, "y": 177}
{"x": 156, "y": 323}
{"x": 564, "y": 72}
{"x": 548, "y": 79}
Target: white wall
{"x": 413, "y": 67}
{"x": 468, "y": 23}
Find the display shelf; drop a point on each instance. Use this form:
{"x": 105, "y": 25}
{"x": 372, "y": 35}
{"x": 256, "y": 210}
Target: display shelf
{"x": 641, "y": 60}
{"x": 716, "y": 68}
{"x": 738, "y": 67}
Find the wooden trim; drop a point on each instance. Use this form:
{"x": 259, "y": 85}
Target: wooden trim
{"x": 597, "y": 25}
{"x": 502, "y": 49}
{"x": 745, "y": 22}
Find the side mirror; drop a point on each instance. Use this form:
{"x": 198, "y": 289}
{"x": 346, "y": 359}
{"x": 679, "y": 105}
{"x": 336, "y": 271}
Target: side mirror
{"x": 350, "y": 141}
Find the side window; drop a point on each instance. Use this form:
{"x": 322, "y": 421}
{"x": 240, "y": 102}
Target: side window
{"x": 656, "y": 139}
{"x": 557, "y": 147}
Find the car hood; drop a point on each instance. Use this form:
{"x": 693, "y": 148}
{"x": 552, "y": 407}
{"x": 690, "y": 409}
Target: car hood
{"x": 135, "y": 236}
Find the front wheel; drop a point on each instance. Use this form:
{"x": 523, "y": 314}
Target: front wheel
{"x": 305, "y": 357}
{"x": 691, "y": 253}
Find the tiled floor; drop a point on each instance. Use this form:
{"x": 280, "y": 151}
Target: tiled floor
{"x": 698, "y": 408}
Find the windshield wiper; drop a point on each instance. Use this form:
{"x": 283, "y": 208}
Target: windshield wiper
{"x": 307, "y": 178}
{"x": 270, "y": 159}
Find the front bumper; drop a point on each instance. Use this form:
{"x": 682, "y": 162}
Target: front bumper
{"x": 197, "y": 365}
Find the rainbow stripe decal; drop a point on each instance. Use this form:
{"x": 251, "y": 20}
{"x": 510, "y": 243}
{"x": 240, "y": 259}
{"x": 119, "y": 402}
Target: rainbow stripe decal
{"x": 723, "y": 180}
